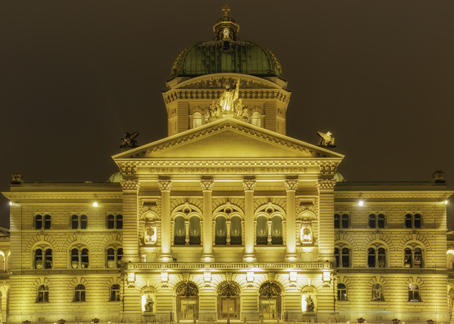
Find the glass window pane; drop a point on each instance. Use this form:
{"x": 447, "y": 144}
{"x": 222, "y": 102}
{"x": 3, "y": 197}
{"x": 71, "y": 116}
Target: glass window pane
{"x": 276, "y": 230}
{"x": 417, "y": 221}
{"x": 220, "y": 231}
{"x": 336, "y": 221}
{"x": 371, "y": 258}
{"x": 38, "y": 222}
{"x": 180, "y": 231}
{"x": 119, "y": 221}
{"x": 194, "y": 230}
{"x": 47, "y": 222}
{"x": 110, "y": 222}
{"x": 381, "y": 221}
{"x": 235, "y": 230}
{"x": 262, "y": 230}
{"x": 345, "y": 221}
{"x": 408, "y": 219}
{"x": 372, "y": 221}
{"x": 83, "y": 222}
{"x": 74, "y": 221}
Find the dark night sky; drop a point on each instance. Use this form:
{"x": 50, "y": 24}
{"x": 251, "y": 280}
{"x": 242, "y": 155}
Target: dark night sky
{"x": 76, "y": 75}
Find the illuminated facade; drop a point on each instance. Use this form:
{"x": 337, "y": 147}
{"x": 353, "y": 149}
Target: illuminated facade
{"x": 227, "y": 217}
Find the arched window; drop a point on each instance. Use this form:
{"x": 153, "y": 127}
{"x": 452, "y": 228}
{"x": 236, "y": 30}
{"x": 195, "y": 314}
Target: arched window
{"x": 220, "y": 231}
{"x": 256, "y": 119}
{"x": 377, "y": 293}
{"x": 337, "y": 221}
{"x": 228, "y": 300}
{"x": 47, "y": 222}
{"x": 74, "y": 222}
{"x": 345, "y": 258}
{"x": 341, "y": 292}
{"x": 114, "y": 256}
{"x": 194, "y": 230}
{"x": 413, "y": 293}
{"x": 262, "y": 230}
{"x": 115, "y": 293}
{"x": 79, "y": 293}
{"x": 79, "y": 258}
{"x": 235, "y": 230}
{"x": 276, "y": 230}
{"x": 413, "y": 258}
{"x": 114, "y": 222}
{"x": 372, "y": 221}
{"x": 345, "y": 221}
{"x": 196, "y": 120}
{"x": 42, "y": 259}
{"x": 376, "y": 258}
{"x": 381, "y": 221}
{"x": 413, "y": 221}
{"x": 180, "y": 231}
{"x": 79, "y": 222}
{"x": 43, "y": 294}
{"x": 38, "y": 222}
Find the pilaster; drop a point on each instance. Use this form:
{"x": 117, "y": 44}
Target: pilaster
{"x": 249, "y": 186}
{"x": 291, "y": 185}
{"x": 207, "y": 188}
{"x": 326, "y": 219}
{"x": 165, "y": 185}
{"x": 130, "y": 221}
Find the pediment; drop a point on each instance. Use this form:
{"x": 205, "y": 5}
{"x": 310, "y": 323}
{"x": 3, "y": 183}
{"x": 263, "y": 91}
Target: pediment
{"x": 227, "y": 138}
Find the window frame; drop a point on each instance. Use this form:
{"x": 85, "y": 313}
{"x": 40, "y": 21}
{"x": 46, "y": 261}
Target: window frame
{"x": 412, "y": 219}
{"x": 78, "y": 220}
{"x": 80, "y": 256}
{"x": 413, "y": 261}
{"x": 46, "y": 257}
{"x": 340, "y": 290}
{"x": 44, "y": 293}
{"x": 339, "y": 256}
{"x": 115, "y": 293}
{"x": 340, "y": 219}
{"x": 116, "y": 256}
{"x": 117, "y": 221}
{"x": 412, "y": 292}
{"x": 376, "y": 256}
{"x": 80, "y": 295}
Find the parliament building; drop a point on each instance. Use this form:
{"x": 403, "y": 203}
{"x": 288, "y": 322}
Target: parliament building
{"x": 227, "y": 219}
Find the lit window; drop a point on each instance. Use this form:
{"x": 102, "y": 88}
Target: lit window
{"x": 79, "y": 293}
{"x": 413, "y": 293}
{"x": 341, "y": 292}
{"x": 115, "y": 293}
{"x": 196, "y": 120}
{"x": 256, "y": 119}
{"x": 43, "y": 294}
{"x": 413, "y": 258}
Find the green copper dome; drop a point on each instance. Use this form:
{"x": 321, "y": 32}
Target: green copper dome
{"x": 226, "y": 54}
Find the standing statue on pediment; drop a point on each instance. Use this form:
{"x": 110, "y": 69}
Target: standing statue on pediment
{"x": 229, "y": 97}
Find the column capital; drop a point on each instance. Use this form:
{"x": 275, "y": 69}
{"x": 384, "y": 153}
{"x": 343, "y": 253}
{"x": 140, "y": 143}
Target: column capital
{"x": 249, "y": 184}
{"x": 165, "y": 184}
{"x": 291, "y": 184}
{"x": 207, "y": 184}
{"x": 326, "y": 184}
{"x": 130, "y": 184}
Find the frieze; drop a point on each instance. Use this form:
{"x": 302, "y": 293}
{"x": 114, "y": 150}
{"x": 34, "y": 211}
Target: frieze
{"x": 227, "y": 170}
{"x": 196, "y": 94}
{"x": 222, "y": 82}
{"x": 229, "y": 265}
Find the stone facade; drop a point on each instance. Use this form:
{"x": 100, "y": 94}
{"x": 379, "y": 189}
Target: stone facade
{"x": 227, "y": 218}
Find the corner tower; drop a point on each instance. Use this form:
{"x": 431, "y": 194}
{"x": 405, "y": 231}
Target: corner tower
{"x": 226, "y": 77}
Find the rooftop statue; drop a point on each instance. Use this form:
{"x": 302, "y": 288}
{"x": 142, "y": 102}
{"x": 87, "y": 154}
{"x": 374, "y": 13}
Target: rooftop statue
{"x": 129, "y": 140}
{"x": 229, "y": 97}
{"x": 326, "y": 140}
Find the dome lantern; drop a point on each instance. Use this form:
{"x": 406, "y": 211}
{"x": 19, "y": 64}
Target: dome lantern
{"x": 226, "y": 30}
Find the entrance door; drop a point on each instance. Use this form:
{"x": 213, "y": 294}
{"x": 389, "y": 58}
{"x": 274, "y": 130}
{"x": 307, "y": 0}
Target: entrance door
{"x": 188, "y": 308}
{"x": 228, "y": 307}
{"x": 269, "y": 308}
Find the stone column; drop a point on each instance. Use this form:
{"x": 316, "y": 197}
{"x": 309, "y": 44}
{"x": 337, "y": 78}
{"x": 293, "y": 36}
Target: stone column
{"x": 325, "y": 219}
{"x": 130, "y": 221}
{"x": 228, "y": 240}
{"x": 165, "y": 185}
{"x": 291, "y": 185}
{"x": 207, "y": 188}
{"x": 249, "y": 186}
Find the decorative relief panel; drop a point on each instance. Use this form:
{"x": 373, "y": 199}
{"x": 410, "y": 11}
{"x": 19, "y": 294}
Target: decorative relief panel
{"x": 222, "y": 82}
{"x": 326, "y": 184}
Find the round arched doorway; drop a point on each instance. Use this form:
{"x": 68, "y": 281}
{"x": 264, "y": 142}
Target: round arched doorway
{"x": 270, "y": 301}
{"x": 228, "y": 300}
{"x": 187, "y": 301}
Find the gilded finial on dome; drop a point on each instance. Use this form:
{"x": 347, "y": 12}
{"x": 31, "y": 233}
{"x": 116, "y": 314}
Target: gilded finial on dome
{"x": 226, "y": 10}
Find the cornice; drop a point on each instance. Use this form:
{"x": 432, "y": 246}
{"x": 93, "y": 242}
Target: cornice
{"x": 63, "y": 195}
{"x": 391, "y": 194}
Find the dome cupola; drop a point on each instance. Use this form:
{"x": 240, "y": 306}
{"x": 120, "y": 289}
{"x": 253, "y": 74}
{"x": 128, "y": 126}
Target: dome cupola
{"x": 226, "y": 53}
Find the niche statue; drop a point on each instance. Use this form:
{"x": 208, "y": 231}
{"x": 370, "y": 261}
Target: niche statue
{"x": 310, "y": 304}
{"x": 149, "y": 304}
